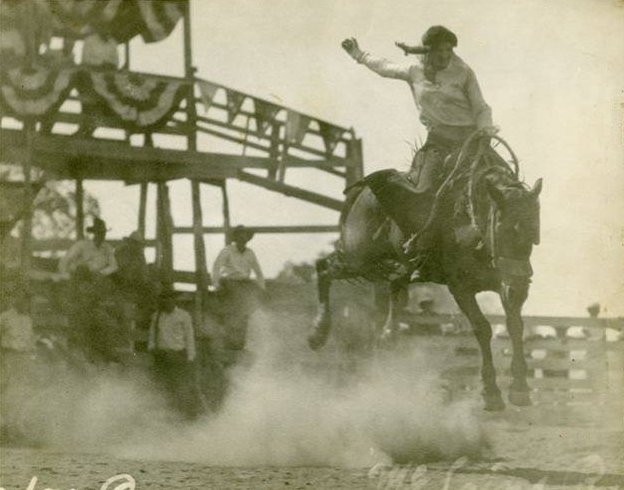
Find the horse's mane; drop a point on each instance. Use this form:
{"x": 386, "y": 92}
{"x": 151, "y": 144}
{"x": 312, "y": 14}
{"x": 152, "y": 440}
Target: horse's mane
{"x": 468, "y": 192}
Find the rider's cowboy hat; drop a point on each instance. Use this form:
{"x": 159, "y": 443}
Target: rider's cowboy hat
{"x": 98, "y": 225}
{"x": 242, "y": 232}
{"x": 431, "y": 38}
{"x": 438, "y": 34}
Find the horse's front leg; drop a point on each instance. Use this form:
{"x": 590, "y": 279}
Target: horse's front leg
{"x": 483, "y": 332}
{"x": 513, "y": 297}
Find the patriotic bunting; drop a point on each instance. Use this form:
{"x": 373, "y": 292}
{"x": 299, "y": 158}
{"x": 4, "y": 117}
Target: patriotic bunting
{"x": 159, "y": 18}
{"x": 153, "y": 20}
{"x": 79, "y": 18}
{"x": 140, "y": 102}
{"x": 234, "y": 103}
{"x": 331, "y": 136}
{"x": 265, "y": 114}
{"x": 296, "y": 127}
{"x": 207, "y": 92}
{"x": 36, "y": 92}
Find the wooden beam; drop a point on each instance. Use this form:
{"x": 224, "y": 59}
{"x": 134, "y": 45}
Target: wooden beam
{"x": 68, "y": 158}
{"x": 61, "y": 244}
{"x": 291, "y": 191}
{"x": 265, "y": 229}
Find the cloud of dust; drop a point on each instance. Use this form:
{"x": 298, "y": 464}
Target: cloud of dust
{"x": 288, "y": 407}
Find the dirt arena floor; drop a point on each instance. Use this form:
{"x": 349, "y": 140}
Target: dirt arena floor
{"x": 581, "y": 451}
{"x": 282, "y": 428}
{"x": 529, "y": 448}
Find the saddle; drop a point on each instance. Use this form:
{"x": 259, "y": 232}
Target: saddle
{"x": 400, "y": 199}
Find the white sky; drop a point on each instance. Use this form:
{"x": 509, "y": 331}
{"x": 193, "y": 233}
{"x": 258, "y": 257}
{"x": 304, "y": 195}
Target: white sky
{"x": 553, "y": 72}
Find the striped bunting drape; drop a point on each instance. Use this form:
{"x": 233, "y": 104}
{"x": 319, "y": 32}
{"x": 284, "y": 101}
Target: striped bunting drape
{"x": 140, "y": 102}
{"x": 159, "y": 18}
{"x": 34, "y": 93}
{"x": 153, "y": 20}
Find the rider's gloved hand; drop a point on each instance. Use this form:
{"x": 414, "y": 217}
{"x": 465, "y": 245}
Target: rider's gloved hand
{"x": 351, "y": 46}
{"x": 406, "y": 49}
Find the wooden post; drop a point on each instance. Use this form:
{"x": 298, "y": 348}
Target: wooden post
{"x": 164, "y": 228}
{"x": 355, "y": 170}
{"x": 226, "y": 212}
{"x": 29, "y": 129}
{"x": 29, "y": 133}
{"x": 142, "y": 208}
{"x": 79, "y": 209}
{"x": 189, "y": 73}
{"x": 127, "y": 55}
{"x": 198, "y": 238}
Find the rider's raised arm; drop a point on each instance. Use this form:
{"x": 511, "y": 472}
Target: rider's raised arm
{"x": 381, "y": 66}
{"x": 480, "y": 108}
{"x": 385, "y": 67}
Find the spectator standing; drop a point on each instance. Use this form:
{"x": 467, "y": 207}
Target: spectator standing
{"x": 17, "y": 341}
{"x": 97, "y": 256}
{"x": 231, "y": 274}
{"x": 95, "y": 313}
{"x": 171, "y": 340}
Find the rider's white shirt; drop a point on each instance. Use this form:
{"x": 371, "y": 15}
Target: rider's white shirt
{"x": 455, "y": 98}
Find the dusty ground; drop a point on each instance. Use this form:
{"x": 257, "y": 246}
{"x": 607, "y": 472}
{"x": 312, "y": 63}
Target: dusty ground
{"x": 576, "y": 453}
{"x": 544, "y": 446}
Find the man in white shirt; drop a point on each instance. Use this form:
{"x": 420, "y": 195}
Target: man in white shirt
{"x": 236, "y": 261}
{"x": 95, "y": 255}
{"x": 94, "y": 310}
{"x": 231, "y": 274}
{"x": 172, "y": 341}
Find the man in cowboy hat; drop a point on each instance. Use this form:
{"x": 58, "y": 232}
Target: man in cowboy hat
{"x": 94, "y": 310}
{"x": 171, "y": 340}
{"x": 237, "y": 261}
{"x": 96, "y": 256}
{"x": 231, "y": 275}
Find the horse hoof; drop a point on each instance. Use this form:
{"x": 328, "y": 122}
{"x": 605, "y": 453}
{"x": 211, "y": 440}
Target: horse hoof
{"x": 316, "y": 341}
{"x": 493, "y": 403}
{"x": 520, "y": 398}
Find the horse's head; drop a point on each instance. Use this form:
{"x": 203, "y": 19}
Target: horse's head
{"x": 515, "y": 227}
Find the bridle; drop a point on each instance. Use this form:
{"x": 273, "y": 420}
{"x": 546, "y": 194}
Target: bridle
{"x": 512, "y": 271}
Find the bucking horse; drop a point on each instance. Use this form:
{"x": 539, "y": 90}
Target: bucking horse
{"x": 484, "y": 221}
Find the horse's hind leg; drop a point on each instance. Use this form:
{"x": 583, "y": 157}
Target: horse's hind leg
{"x": 327, "y": 269}
{"x": 396, "y": 304}
{"x": 483, "y": 332}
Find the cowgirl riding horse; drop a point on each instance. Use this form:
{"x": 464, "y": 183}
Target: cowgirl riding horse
{"x": 474, "y": 233}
